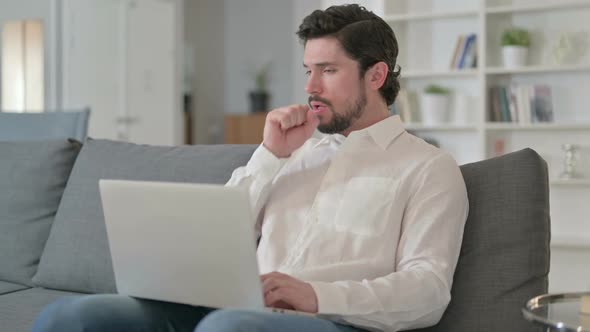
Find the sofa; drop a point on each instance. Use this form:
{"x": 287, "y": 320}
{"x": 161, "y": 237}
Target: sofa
{"x": 53, "y": 240}
{"x": 44, "y": 125}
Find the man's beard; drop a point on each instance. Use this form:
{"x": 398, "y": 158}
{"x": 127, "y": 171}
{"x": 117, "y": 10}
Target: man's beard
{"x": 341, "y": 122}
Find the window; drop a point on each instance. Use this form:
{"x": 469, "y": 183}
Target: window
{"x": 22, "y": 66}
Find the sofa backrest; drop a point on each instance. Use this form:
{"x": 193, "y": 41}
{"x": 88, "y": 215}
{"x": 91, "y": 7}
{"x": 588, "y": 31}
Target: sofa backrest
{"x": 504, "y": 257}
{"x": 76, "y": 256}
{"x": 33, "y": 176}
{"x": 44, "y": 125}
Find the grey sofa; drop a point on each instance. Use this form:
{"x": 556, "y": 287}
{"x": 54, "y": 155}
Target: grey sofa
{"x": 44, "y": 125}
{"x": 53, "y": 241}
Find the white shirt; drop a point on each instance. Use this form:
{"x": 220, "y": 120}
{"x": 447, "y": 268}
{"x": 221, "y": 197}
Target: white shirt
{"x": 373, "y": 221}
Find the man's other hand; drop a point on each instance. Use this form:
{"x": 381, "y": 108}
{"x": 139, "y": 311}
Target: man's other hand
{"x": 287, "y": 128}
{"x": 285, "y": 292}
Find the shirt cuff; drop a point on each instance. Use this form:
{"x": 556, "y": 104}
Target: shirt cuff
{"x": 264, "y": 161}
{"x": 331, "y": 298}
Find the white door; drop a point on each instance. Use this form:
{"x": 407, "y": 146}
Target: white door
{"x": 120, "y": 59}
{"x": 153, "y": 90}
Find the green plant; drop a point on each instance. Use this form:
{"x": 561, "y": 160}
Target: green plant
{"x": 261, "y": 78}
{"x": 516, "y": 37}
{"x": 436, "y": 89}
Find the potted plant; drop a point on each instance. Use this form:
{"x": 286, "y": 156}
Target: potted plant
{"x": 259, "y": 96}
{"x": 515, "y": 45}
{"x": 434, "y": 104}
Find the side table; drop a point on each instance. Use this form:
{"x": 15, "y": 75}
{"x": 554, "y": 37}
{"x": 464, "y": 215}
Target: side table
{"x": 558, "y": 312}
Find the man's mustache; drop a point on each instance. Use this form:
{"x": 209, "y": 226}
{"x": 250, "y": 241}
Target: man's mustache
{"x": 320, "y": 99}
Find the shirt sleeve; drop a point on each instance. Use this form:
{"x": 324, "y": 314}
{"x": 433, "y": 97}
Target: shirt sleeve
{"x": 257, "y": 177}
{"x": 418, "y": 292}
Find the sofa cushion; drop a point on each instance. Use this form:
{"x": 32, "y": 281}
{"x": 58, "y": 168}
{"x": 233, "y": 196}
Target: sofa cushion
{"x": 8, "y": 287}
{"x": 18, "y": 310}
{"x": 33, "y": 176}
{"x": 504, "y": 258}
{"x": 77, "y": 256}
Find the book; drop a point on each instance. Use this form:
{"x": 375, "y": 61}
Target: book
{"x": 495, "y": 112}
{"x": 511, "y": 91}
{"x": 468, "y": 52}
{"x": 402, "y": 106}
{"x": 521, "y": 98}
{"x": 458, "y": 46}
{"x": 543, "y": 103}
{"x": 504, "y": 106}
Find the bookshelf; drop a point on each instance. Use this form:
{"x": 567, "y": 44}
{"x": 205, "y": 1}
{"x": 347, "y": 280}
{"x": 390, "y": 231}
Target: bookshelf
{"x": 440, "y": 74}
{"x": 430, "y": 16}
{"x": 569, "y": 241}
{"x": 448, "y": 127}
{"x": 538, "y": 69}
{"x": 491, "y": 126}
{"x": 532, "y": 7}
{"x": 575, "y": 182}
{"x": 427, "y": 32}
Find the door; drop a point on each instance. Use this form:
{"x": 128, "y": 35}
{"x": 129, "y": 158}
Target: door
{"x": 121, "y": 59}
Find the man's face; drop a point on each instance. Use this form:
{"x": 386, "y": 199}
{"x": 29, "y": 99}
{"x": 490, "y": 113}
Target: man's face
{"x": 336, "y": 90}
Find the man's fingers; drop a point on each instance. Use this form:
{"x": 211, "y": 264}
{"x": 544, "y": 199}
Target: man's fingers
{"x": 311, "y": 123}
{"x": 302, "y": 115}
{"x": 273, "y": 274}
{"x": 291, "y": 116}
{"x": 275, "y": 280}
{"x": 273, "y": 284}
{"x": 276, "y": 296}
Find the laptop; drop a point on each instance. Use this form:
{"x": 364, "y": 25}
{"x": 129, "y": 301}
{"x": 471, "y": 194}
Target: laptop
{"x": 186, "y": 243}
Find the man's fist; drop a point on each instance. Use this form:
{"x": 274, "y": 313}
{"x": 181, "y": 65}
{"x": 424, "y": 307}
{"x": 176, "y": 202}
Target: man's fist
{"x": 287, "y": 128}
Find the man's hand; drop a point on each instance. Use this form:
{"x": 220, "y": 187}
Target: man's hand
{"x": 286, "y": 292}
{"x": 287, "y": 128}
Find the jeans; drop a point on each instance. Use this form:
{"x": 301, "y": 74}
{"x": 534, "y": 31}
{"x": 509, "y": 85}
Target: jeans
{"x": 116, "y": 313}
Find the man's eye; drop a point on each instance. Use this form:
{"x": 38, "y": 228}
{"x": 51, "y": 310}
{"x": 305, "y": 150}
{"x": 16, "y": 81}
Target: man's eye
{"x": 308, "y": 72}
{"x": 329, "y": 70}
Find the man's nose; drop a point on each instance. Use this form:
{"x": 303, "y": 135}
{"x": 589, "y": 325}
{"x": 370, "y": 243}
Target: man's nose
{"x": 313, "y": 86}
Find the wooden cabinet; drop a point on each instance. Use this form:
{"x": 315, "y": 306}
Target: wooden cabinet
{"x": 244, "y": 128}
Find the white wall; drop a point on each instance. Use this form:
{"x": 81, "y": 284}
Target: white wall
{"x": 301, "y": 9}
{"x": 43, "y": 10}
{"x": 257, "y": 31}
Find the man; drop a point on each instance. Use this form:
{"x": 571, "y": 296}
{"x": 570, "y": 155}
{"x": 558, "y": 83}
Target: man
{"x": 362, "y": 224}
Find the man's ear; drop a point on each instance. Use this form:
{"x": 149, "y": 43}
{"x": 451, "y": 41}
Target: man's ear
{"x": 376, "y": 75}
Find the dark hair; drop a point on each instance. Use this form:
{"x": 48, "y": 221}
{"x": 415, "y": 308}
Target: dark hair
{"x": 365, "y": 37}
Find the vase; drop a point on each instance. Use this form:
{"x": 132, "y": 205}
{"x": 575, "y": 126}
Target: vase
{"x": 434, "y": 108}
{"x": 514, "y": 56}
{"x": 258, "y": 101}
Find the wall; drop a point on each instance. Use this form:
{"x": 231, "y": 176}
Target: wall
{"x": 301, "y": 9}
{"x": 258, "y": 31}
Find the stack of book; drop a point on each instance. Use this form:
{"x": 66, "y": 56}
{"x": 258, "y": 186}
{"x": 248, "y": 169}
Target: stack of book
{"x": 521, "y": 104}
{"x": 465, "y": 54}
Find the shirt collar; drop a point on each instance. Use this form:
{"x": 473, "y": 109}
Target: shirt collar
{"x": 382, "y": 132}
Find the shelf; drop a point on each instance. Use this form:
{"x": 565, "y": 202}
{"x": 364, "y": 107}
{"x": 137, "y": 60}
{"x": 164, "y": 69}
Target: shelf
{"x": 444, "y": 127}
{"x": 491, "y": 126}
{"x": 537, "y": 7}
{"x": 573, "y": 183}
{"x": 568, "y": 241}
{"x": 429, "y": 16}
{"x": 439, "y": 74}
{"x": 537, "y": 69}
